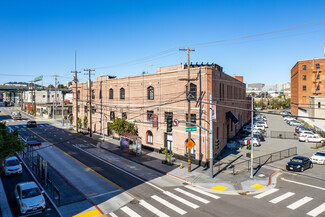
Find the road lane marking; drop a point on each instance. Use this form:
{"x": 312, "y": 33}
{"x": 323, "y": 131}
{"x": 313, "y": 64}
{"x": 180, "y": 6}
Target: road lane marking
{"x": 169, "y": 205}
{"x": 300, "y": 183}
{"x": 112, "y": 214}
{"x": 99, "y": 195}
{"x": 192, "y": 196}
{"x": 153, "y": 209}
{"x": 186, "y": 202}
{"x": 271, "y": 191}
{"x": 130, "y": 212}
{"x": 318, "y": 210}
{"x": 202, "y": 192}
{"x": 282, "y": 197}
{"x": 299, "y": 203}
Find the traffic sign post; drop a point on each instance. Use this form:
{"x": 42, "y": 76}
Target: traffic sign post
{"x": 190, "y": 144}
{"x": 175, "y": 123}
{"x": 190, "y": 129}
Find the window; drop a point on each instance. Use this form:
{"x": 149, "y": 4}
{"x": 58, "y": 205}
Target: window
{"x": 304, "y": 67}
{"x": 122, "y": 93}
{"x": 318, "y": 76}
{"x": 319, "y": 104}
{"x": 317, "y": 66}
{"x": 52, "y": 96}
{"x": 151, "y": 93}
{"x": 57, "y": 95}
{"x": 149, "y": 137}
{"x": 78, "y": 94}
{"x": 304, "y": 88}
{"x": 86, "y": 109}
{"x": 78, "y": 108}
{"x": 149, "y": 115}
{"x": 93, "y": 94}
{"x": 304, "y": 77}
{"x": 192, "y": 95}
{"x": 43, "y": 96}
{"x": 100, "y": 94}
{"x": 193, "y": 120}
{"x": 124, "y": 115}
{"x": 111, "y": 92}
{"x": 304, "y": 98}
{"x": 112, "y": 115}
{"x": 168, "y": 114}
{"x": 93, "y": 109}
{"x": 317, "y": 88}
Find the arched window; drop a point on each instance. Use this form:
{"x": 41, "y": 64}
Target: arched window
{"x": 122, "y": 93}
{"x": 192, "y": 92}
{"x": 149, "y": 137}
{"x": 151, "y": 93}
{"x": 111, "y": 92}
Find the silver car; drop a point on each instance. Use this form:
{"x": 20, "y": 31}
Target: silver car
{"x": 29, "y": 198}
{"x": 12, "y": 166}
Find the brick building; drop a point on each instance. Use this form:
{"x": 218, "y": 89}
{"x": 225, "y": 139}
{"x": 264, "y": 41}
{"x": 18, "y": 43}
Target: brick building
{"x": 306, "y": 81}
{"x": 162, "y": 94}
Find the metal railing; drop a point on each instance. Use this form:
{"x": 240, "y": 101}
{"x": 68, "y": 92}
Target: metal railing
{"x": 283, "y": 135}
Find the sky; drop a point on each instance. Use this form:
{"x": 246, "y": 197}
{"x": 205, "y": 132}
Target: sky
{"x": 124, "y": 38}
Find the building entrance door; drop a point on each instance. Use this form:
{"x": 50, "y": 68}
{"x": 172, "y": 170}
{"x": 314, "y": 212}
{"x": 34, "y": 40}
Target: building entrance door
{"x": 169, "y": 142}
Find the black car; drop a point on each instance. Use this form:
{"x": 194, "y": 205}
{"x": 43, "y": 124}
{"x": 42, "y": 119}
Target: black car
{"x": 259, "y": 136}
{"x": 31, "y": 124}
{"x": 299, "y": 163}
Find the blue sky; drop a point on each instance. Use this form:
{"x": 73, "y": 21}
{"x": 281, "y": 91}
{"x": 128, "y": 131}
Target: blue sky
{"x": 40, "y": 37}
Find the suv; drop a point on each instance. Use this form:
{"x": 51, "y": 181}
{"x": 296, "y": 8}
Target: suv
{"x": 29, "y": 197}
{"x": 16, "y": 115}
{"x": 12, "y": 166}
{"x": 318, "y": 157}
{"x": 31, "y": 124}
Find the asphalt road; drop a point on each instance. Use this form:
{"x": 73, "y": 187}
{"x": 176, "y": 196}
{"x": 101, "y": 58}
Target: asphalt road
{"x": 166, "y": 196}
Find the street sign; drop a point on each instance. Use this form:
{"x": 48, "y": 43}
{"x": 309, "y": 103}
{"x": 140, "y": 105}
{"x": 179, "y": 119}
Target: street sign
{"x": 190, "y": 129}
{"x": 190, "y": 144}
{"x": 175, "y": 123}
{"x": 39, "y": 78}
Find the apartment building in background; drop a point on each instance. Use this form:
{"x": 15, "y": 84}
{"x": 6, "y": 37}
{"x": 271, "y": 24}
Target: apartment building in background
{"x": 307, "y": 80}
{"x": 160, "y": 95}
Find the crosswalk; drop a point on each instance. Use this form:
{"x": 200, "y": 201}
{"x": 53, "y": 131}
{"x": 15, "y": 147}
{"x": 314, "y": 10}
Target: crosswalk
{"x": 295, "y": 201}
{"x": 175, "y": 202}
{"x": 23, "y": 126}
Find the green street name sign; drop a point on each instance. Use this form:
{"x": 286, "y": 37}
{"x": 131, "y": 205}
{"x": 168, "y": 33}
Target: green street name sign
{"x": 190, "y": 129}
{"x": 39, "y": 78}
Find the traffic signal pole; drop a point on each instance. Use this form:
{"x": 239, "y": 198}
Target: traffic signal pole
{"x": 211, "y": 138}
{"x": 251, "y": 143}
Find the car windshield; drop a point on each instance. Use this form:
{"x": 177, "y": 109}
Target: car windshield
{"x": 28, "y": 193}
{"x": 12, "y": 162}
{"x": 296, "y": 160}
{"x": 320, "y": 154}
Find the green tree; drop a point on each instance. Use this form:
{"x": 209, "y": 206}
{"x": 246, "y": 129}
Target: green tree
{"x": 85, "y": 122}
{"x": 79, "y": 123}
{"x": 51, "y": 86}
{"x": 61, "y": 86}
{"x": 120, "y": 125}
{"x": 71, "y": 119}
{"x": 9, "y": 142}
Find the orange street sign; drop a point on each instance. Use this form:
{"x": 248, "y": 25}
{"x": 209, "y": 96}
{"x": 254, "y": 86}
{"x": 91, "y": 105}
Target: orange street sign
{"x": 190, "y": 144}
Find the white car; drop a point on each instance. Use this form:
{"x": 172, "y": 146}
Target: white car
{"x": 318, "y": 157}
{"x": 305, "y": 133}
{"x": 263, "y": 123}
{"x": 289, "y": 118}
{"x": 311, "y": 138}
{"x": 29, "y": 197}
{"x": 12, "y": 166}
{"x": 258, "y": 127}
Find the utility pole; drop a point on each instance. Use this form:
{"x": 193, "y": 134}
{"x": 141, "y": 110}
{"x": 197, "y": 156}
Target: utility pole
{"x": 188, "y": 103}
{"x": 251, "y": 143}
{"x": 76, "y": 82}
{"x": 54, "y": 102}
{"x": 62, "y": 109}
{"x": 211, "y": 138}
{"x": 102, "y": 108}
{"x": 90, "y": 97}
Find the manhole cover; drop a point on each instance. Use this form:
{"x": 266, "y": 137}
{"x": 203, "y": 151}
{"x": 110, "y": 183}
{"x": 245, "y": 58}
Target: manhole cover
{"x": 184, "y": 183}
{"x": 134, "y": 201}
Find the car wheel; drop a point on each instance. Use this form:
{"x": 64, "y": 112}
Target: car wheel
{"x": 306, "y": 140}
{"x": 311, "y": 165}
{"x": 302, "y": 169}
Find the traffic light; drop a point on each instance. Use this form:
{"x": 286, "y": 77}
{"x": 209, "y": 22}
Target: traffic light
{"x": 169, "y": 124}
{"x": 216, "y": 142}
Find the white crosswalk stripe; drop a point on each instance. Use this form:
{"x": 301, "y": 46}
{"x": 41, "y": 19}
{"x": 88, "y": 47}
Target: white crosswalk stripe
{"x": 318, "y": 210}
{"x": 152, "y": 209}
{"x": 186, "y": 202}
{"x": 169, "y": 205}
{"x": 192, "y": 196}
{"x": 282, "y": 197}
{"x": 130, "y": 212}
{"x": 299, "y": 203}
{"x": 112, "y": 214}
{"x": 266, "y": 193}
{"x": 202, "y": 192}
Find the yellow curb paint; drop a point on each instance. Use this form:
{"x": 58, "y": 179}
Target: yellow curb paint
{"x": 92, "y": 213}
{"x": 48, "y": 120}
{"x": 219, "y": 188}
{"x": 90, "y": 195}
{"x": 257, "y": 186}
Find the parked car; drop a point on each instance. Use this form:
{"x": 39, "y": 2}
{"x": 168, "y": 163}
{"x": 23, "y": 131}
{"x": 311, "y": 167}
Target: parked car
{"x": 233, "y": 145}
{"x": 247, "y": 128}
{"x": 12, "y": 165}
{"x": 31, "y": 124}
{"x": 304, "y": 128}
{"x": 29, "y": 197}
{"x": 311, "y": 138}
{"x": 263, "y": 123}
{"x": 286, "y": 118}
{"x": 259, "y": 136}
{"x": 305, "y": 133}
{"x": 259, "y": 127}
{"x": 318, "y": 157}
{"x": 254, "y": 141}
{"x": 299, "y": 163}
{"x": 295, "y": 123}
{"x": 16, "y": 115}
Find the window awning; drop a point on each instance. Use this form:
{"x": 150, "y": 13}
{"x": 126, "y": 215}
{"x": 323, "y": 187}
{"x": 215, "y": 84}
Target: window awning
{"x": 232, "y": 117}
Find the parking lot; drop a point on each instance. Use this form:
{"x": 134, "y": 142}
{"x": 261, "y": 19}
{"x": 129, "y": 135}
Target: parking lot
{"x": 272, "y": 145}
